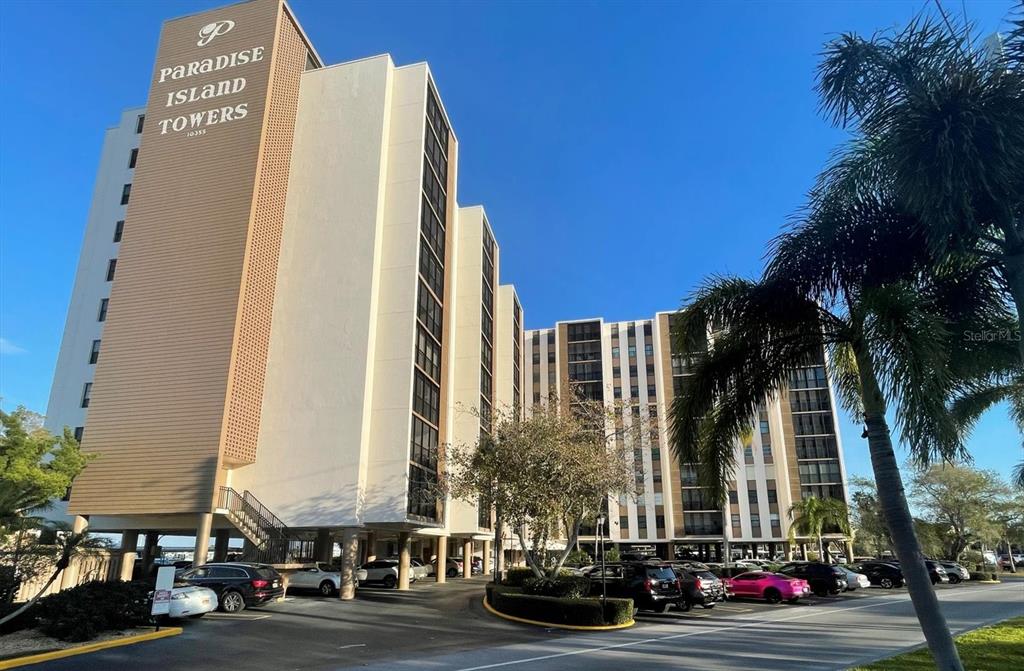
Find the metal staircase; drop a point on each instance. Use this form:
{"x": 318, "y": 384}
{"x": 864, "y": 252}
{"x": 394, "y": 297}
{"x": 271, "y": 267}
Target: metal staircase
{"x": 270, "y": 540}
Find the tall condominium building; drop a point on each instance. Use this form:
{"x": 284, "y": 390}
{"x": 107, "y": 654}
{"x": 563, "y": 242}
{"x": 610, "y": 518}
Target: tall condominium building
{"x": 279, "y": 305}
{"x": 793, "y": 451}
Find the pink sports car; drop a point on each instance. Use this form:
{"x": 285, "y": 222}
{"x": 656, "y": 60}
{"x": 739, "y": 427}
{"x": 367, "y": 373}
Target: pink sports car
{"x": 772, "y": 587}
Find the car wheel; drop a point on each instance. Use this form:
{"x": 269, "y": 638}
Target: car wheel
{"x": 772, "y": 595}
{"x": 707, "y": 606}
{"x": 660, "y": 607}
{"x": 684, "y": 605}
{"x": 327, "y": 588}
{"x": 820, "y": 591}
{"x": 793, "y": 600}
{"x": 887, "y": 583}
{"x": 834, "y": 592}
{"x": 390, "y": 581}
{"x": 451, "y": 573}
{"x": 232, "y": 602}
{"x": 954, "y": 579}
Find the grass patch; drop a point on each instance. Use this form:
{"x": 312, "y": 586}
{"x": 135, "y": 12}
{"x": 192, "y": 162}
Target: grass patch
{"x": 996, "y": 648}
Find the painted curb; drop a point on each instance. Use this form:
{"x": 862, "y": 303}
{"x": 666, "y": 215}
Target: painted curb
{"x": 90, "y": 647}
{"x": 550, "y": 625}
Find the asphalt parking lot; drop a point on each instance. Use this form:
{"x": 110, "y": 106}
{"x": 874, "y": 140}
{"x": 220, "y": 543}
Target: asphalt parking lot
{"x": 445, "y": 627}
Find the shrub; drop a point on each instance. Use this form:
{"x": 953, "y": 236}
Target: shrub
{"x": 514, "y": 577}
{"x": 554, "y": 610}
{"x": 80, "y": 613}
{"x": 612, "y": 555}
{"x": 578, "y": 558}
{"x": 564, "y": 586}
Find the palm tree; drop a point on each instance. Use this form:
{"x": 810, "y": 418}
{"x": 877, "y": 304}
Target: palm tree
{"x": 843, "y": 280}
{"x": 938, "y": 121}
{"x": 811, "y": 516}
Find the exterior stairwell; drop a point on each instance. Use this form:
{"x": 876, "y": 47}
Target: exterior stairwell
{"x": 270, "y": 540}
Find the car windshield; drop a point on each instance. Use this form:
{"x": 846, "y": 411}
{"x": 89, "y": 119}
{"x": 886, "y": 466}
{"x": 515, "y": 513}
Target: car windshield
{"x": 660, "y": 573}
{"x": 706, "y": 575}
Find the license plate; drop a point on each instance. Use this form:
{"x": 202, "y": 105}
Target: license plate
{"x": 274, "y": 584}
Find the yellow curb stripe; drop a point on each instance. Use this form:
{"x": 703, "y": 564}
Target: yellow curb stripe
{"x": 90, "y": 647}
{"x": 552, "y": 625}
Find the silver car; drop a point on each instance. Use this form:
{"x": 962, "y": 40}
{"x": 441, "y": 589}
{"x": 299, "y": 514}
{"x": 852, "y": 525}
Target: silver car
{"x": 322, "y": 578}
{"x": 191, "y": 601}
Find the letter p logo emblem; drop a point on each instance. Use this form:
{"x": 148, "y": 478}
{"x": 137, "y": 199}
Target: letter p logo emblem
{"x": 212, "y": 30}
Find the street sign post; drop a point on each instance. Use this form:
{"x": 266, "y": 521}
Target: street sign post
{"x": 162, "y": 593}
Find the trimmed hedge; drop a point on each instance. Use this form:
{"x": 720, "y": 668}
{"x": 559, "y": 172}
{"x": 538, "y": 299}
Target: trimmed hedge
{"x": 555, "y": 610}
{"x": 564, "y": 586}
{"x": 514, "y": 577}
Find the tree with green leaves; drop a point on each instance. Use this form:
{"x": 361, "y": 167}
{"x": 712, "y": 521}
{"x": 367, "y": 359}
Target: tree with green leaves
{"x": 546, "y": 475}
{"x": 36, "y": 468}
{"x": 841, "y": 280}
{"x": 870, "y": 531}
{"x": 810, "y": 517}
{"x": 938, "y": 122}
{"x": 960, "y": 501}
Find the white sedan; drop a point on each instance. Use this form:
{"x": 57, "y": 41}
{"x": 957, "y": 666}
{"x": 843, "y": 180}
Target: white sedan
{"x": 192, "y": 601}
{"x": 321, "y": 578}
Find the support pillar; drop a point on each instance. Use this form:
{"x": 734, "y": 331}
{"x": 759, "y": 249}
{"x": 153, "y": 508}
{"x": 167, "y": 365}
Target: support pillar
{"x": 202, "y": 539}
{"x": 129, "y": 546}
{"x": 403, "y": 559}
{"x": 149, "y": 552}
{"x": 803, "y": 551}
{"x": 371, "y": 546}
{"x": 69, "y": 577}
{"x": 849, "y": 552}
{"x": 487, "y": 557}
{"x": 349, "y": 563}
{"x": 221, "y": 539}
{"x": 467, "y": 558}
{"x": 442, "y": 559}
{"x": 324, "y": 546}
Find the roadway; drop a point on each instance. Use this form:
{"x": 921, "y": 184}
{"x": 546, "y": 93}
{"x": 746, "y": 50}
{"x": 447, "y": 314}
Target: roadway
{"x": 444, "y": 628}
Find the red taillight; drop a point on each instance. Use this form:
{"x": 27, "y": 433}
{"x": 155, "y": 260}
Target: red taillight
{"x": 260, "y": 584}
{"x": 700, "y": 584}
{"x": 648, "y": 585}
{"x": 679, "y": 584}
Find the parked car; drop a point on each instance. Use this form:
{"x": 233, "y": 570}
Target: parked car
{"x": 321, "y": 577}
{"x": 384, "y": 572}
{"x": 453, "y": 567}
{"x": 772, "y": 587}
{"x": 956, "y": 572}
{"x": 478, "y": 565}
{"x": 700, "y": 588}
{"x": 651, "y": 585}
{"x": 1004, "y": 561}
{"x": 417, "y": 569}
{"x": 191, "y": 601}
{"x": 883, "y": 574}
{"x": 936, "y": 572}
{"x": 238, "y": 585}
{"x": 824, "y": 579}
{"x": 854, "y": 580}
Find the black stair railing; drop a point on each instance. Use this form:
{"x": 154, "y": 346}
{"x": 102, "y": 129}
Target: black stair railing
{"x": 271, "y": 542}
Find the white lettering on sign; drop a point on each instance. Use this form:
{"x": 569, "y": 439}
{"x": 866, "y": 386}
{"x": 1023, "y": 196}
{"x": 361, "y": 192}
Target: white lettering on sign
{"x": 196, "y": 122}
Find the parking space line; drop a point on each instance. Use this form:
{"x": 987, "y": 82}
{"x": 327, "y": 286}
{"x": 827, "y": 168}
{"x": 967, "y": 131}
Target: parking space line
{"x": 229, "y": 616}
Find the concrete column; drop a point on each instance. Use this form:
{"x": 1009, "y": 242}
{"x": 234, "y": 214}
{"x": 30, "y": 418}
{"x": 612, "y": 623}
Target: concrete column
{"x": 442, "y": 559}
{"x": 324, "y": 546}
{"x": 487, "y": 557}
{"x": 803, "y": 551}
{"x": 403, "y": 559}
{"x": 69, "y": 577}
{"x": 149, "y": 552}
{"x": 499, "y": 557}
{"x": 467, "y": 558}
{"x": 849, "y": 552}
{"x": 129, "y": 545}
{"x": 202, "y": 539}
{"x": 726, "y": 552}
{"x": 371, "y": 546}
{"x": 221, "y": 539}
{"x": 349, "y": 563}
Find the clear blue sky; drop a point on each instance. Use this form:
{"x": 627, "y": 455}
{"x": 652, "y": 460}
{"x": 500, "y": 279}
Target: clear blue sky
{"x": 623, "y": 150}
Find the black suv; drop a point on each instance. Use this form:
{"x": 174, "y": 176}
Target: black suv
{"x": 700, "y": 588}
{"x": 823, "y": 578}
{"x": 238, "y": 584}
{"x": 651, "y": 585}
{"x": 881, "y": 573}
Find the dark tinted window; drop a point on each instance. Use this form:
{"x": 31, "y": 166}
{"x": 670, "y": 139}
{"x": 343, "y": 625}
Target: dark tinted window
{"x": 660, "y": 573}
{"x": 268, "y": 573}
